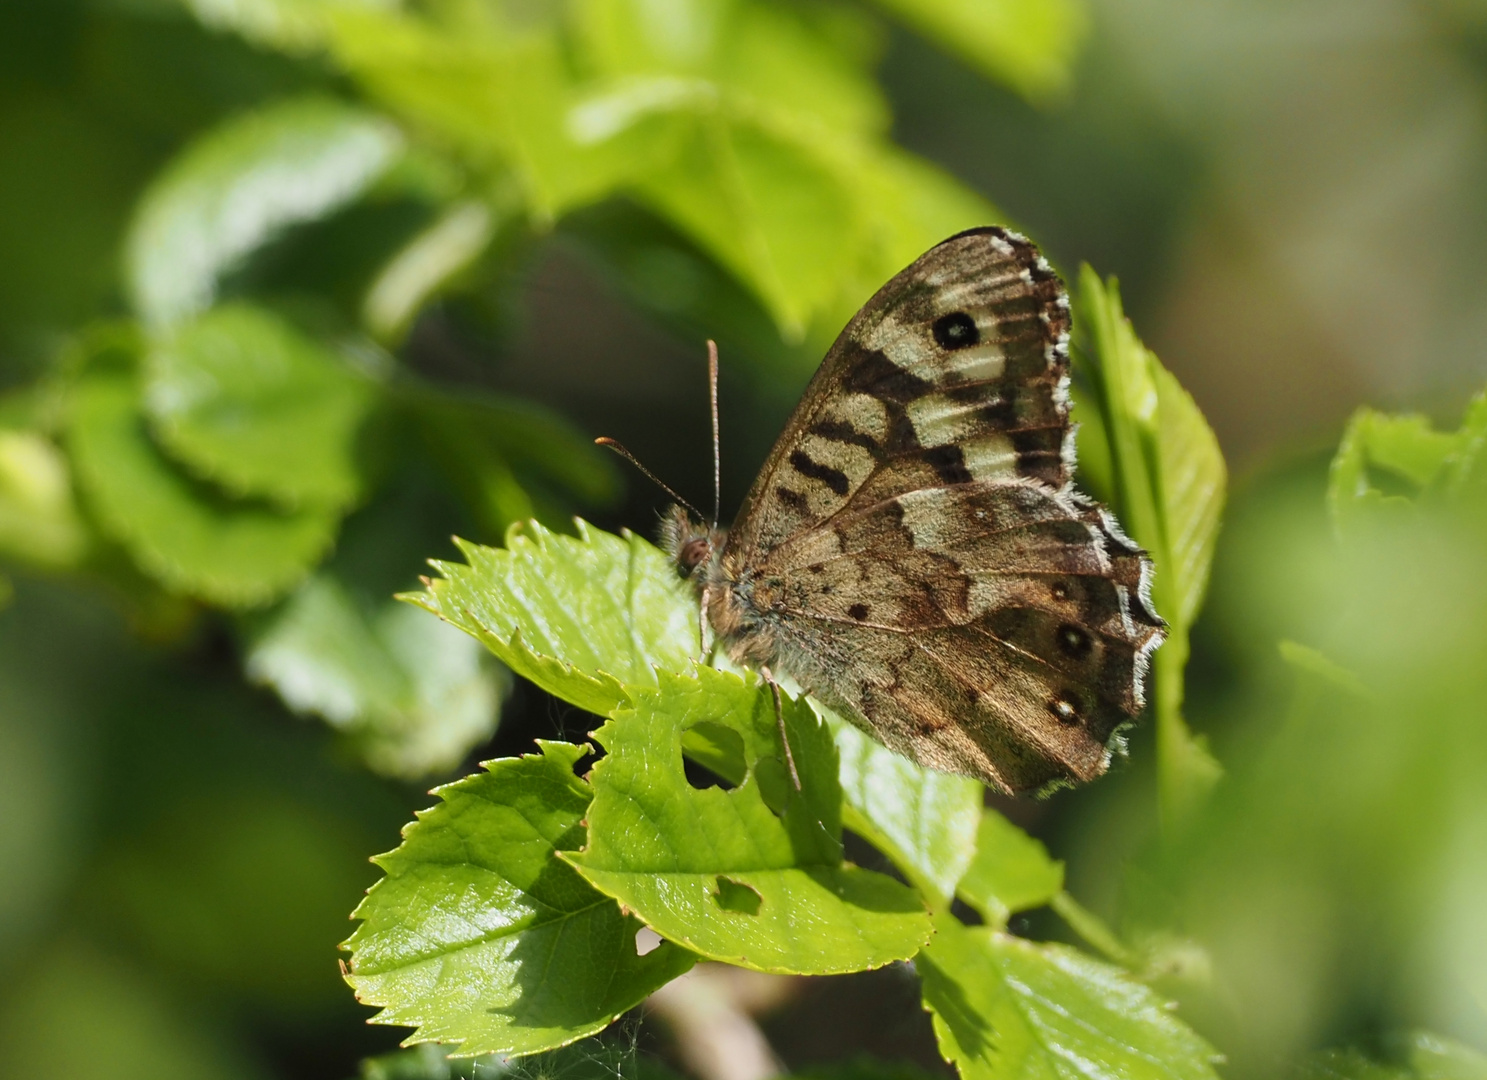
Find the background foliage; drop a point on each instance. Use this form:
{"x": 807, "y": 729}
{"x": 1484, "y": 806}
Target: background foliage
{"x": 293, "y": 290}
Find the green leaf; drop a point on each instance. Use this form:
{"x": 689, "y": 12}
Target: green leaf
{"x": 250, "y": 403}
{"x": 1418, "y": 1055}
{"x": 414, "y": 694}
{"x": 1406, "y": 448}
{"x": 1011, "y": 872}
{"x": 237, "y": 187}
{"x": 192, "y": 539}
{"x": 1029, "y": 45}
{"x": 579, "y": 616}
{"x": 39, "y": 520}
{"x": 751, "y": 876}
{"x": 295, "y": 26}
{"x": 922, "y": 819}
{"x": 478, "y": 935}
{"x": 498, "y": 95}
{"x": 425, "y": 264}
{"x": 1005, "y": 1009}
{"x": 1169, "y": 478}
{"x": 504, "y": 454}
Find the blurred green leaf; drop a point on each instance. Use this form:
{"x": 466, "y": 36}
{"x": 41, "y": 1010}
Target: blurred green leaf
{"x": 239, "y": 893}
{"x": 1006, "y": 1008}
{"x": 751, "y": 876}
{"x": 1029, "y": 45}
{"x": 497, "y": 95}
{"x": 1420, "y": 1055}
{"x": 504, "y": 454}
{"x": 479, "y": 936}
{"x": 295, "y": 26}
{"x": 248, "y": 402}
{"x": 579, "y": 616}
{"x": 1169, "y": 478}
{"x": 924, "y": 820}
{"x": 1386, "y": 464}
{"x": 238, "y": 186}
{"x": 39, "y": 520}
{"x": 425, "y": 264}
{"x": 414, "y": 694}
{"x": 229, "y": 552}
{"x": 1011, "y": 872}
{"x": 79, "y": 1011}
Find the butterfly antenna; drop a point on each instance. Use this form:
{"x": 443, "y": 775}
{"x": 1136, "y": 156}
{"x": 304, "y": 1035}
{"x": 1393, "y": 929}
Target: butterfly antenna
{"x": 622, "y": 452}
{"x": 712, "y": 386}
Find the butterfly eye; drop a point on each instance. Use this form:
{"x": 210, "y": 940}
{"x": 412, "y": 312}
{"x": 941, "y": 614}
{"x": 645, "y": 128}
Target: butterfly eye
{"x": 692, "y": 553}
{"x": 956, "y": 330}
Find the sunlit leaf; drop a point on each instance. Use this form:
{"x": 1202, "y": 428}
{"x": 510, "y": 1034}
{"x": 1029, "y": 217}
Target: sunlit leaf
{"x": 39, "y": 520}
{"x": 579, "y": 616}
{"x": 501, "y": 98}
{"x": 1029, "y": 45}
{"x": 753, "y": 875}
{"x": 478, "y": 935}
{"x": 252, "y": 404}
{"x": 237, "y": 187}
{"x": 922, "y": 819}
{"x": 1008, "y": 1009}
{"x": 295, "y": 26}
{"x": 1169, "y": 480}
{"x": 1011, "y": 872}
{"x": 414, "y": 694}
{"x": 191, "y": 538}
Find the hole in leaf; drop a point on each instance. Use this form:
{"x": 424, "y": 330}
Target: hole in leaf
{"x": 713, "y": 756}
{"x": 737, "y": 897}
{"x": 965, "y": 913}
{"x": 646, "y": 940}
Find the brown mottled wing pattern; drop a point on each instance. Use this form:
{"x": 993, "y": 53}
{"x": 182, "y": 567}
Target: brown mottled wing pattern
{"x": 913, "y": 552}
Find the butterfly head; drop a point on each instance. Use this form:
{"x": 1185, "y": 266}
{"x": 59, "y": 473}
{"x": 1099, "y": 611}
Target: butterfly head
{"x": 689, "y": 543}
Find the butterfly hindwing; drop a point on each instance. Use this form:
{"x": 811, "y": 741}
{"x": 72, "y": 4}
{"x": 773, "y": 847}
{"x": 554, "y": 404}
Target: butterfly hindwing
{"x": 913, "y": 552}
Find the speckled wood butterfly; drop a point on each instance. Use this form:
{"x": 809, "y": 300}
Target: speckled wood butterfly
{"x": 914, "y": 553}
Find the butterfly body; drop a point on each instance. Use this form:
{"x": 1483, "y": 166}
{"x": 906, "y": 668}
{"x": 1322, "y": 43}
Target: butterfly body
{"x": 913, "y": 552}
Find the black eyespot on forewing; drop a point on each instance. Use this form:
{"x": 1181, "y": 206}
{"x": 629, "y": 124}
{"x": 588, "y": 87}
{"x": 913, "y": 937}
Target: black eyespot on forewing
{"x": 956, "y": 331}
{"x": 858, "y": 612}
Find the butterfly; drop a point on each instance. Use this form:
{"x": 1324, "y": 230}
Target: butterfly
{"x": 914, "y": 554}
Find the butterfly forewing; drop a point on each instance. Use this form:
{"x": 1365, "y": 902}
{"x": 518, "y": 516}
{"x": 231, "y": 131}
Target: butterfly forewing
{"x": 913, "y": 552}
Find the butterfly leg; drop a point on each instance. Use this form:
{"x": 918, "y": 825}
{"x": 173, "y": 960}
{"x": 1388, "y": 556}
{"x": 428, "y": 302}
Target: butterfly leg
{"x": 779, "y": 717}
{"x": 702, "y": 623}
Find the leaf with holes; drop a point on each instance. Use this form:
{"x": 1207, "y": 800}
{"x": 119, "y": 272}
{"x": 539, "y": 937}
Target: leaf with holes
{"x": 751, "y": 876}
{"x": 579, "y": 616}
{"x": 479, "y": 935}
{"x": 1009, "y": 1009}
